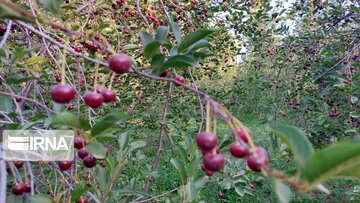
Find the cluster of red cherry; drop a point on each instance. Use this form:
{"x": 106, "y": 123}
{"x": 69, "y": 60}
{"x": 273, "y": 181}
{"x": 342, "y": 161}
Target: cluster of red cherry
{"x": 19, "y": 188}
{"x": 64, "y": 93}
{"x": 214, "y": 161}
{"x": 83, "y": 153}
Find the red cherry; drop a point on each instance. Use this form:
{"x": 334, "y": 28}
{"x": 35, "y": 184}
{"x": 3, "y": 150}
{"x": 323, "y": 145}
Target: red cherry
{"x": 102, "y": 164}
{"x": 214, "y": 162}
{"x": 258, "y": 160}
{"x": 120, "y": 63}
{"x": 203, "y": 168}
{"x": 18, "y": 99}
{"x": 70, "y": 107}
{"x": 64, "y": 165}
{"x": 221, "y": 195}
{"x": 79, "y": 142}
{"x": 241, "y": 134}
{"x": 18, "y": 189}
{"x": 216, "y": 149}
{"x": 180, "y": 79}
{"x": 82, "y": 200}
{"x": 88, "y": 184}
{"x": 206, "y": 140}
{"x": 99, "y": 88}
{"x": 165, "y": 73}
{"x": 2, "y": 30}
{"x": 108, "y": 95}
{"x": 62, "y": 93}
{"x": 28, "y": 187}
{"x": 59, "y": 39}
{"x": 251, "y": 186}
{"x": 83, "y": 152}
{"x": 58, "y": 79}
{"x": 284, "y": 114}
{"x": 249, "y": 3}
{"x": 19, "y": 164}
{"x": 77, "y": 49}
{"x": 209, "y": 173}
{"x": 239, "y": 150}
{"x": 93, "y": 99}
{"x": 89, "y": 161}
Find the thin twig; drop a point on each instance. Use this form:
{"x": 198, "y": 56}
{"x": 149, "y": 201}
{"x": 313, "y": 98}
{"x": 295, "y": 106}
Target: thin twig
{"x": 6, "y": 35}
{"x": 161, "y": 136}
{"x": 27, "y": 99}
{"x": 155, "y": 197}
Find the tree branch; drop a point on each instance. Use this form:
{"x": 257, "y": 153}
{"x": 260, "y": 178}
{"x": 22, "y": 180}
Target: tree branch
{"x": 161, "y": 136}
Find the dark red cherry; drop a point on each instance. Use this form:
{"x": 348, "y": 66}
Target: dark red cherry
{"x": 209, "y": 173}
{"x": 257, "y": 159}
{"x": 2, "y": 30}
{"x": 28, "y": 187}
{"x": 165, "y": 73}
{"x": 93, "y": 99}
{"x": 82, "y": 200}
{"x": 19, "y": 164}
{"x": 108, "y": 95}
{"x": 58, "y": 79}
{"x": 180, "y": 79}
{"x": 241, "y": 134}
{"x": 215, "y": 150}
{"x": 62, "y": 93}
{"x": 64, "y": 165}
{"x": 203, "y": 168}
{"x": 206, "y": 140}
{"x": 79, "y": 142}
{"x": 83, "y": 152}
{"x": 120, "y": 63}
{"x": 239, "y": 150}
{"x": 214, "y": 162}
{"x": 18, "y": 189}
{"x": 77, "y": 49}
{"x": 221, "y": 195}
{"x": 89, "y": 161}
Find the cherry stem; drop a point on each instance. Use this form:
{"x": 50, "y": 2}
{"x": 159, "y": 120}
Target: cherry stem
{"x": 214, "y": 123}
{"x": 11, "y": 166}
{"x": 208, "y": 115}
{"x": 111, "y": 80}
{"x": 63, "y": 69}
{"x": 96, "y": 76}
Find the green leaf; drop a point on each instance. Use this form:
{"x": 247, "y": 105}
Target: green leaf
{"x": 146, "y": 38}
{"x": 180, "y": 168}
{"x": 161, "y": 33}
{"x": 14, "y": 199}
{"x": 7, "y": 12}
{"x": 17, "y": 80}
{"x": 200, "y": 182}
{"x": 192, "y": 38}
{"x": 297, "y": 142}
{"x": 136, "y": 145}
{"x": 69, "y": 119}
{"x": 191, "y": 191}
{"x": 338, "y": 160}
{"x": 97, "y": 149}
{"x": 199, "y": 44}
{"x": 131, "y": 46}
{"x": 6, "y": 103}
{"x": 78, "y": 191}
{"x": 151, "y": 49}
{"x": 51, "y": 5}
{"x": 106, "y": 137}
{"x": 179, "y": 61}
{"x": 42, "y": 199}
{"x": 107, "y": 122}
{"x": 176, "y": 31}
{"x": 36, "y": 59}
{"x": 283, "y": 192}
{"x": 156, "y": 62}
{"x": 203, "y": 54}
